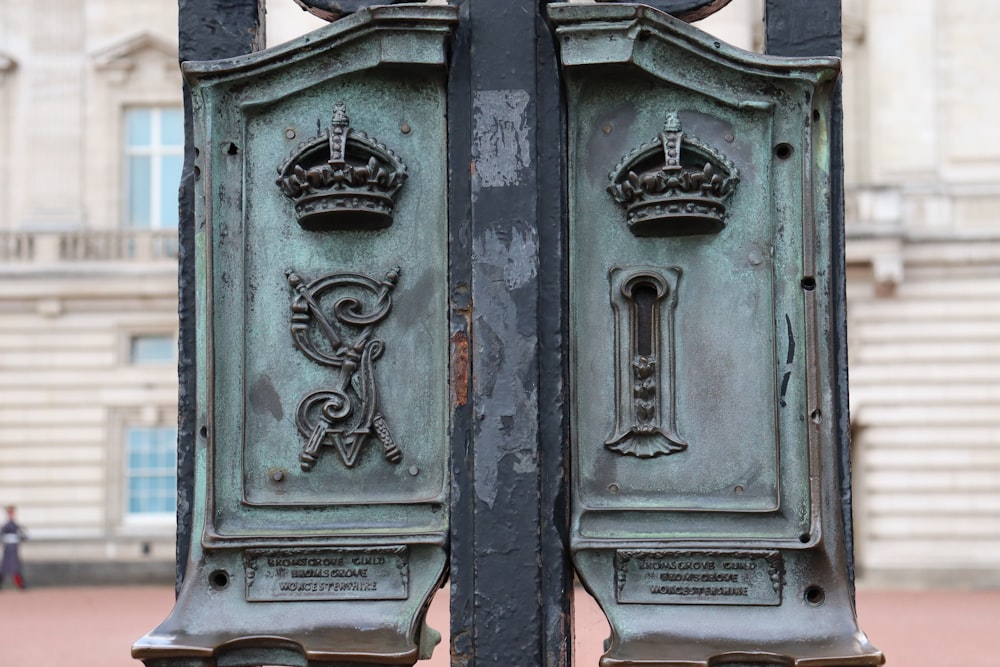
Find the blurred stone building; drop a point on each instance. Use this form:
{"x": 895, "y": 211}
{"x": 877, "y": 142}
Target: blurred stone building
{"x": 91, "y": 141}
{"x": 923, "y": 225}
{"x": 90, "y": 151}
{"x": 91, "y": 136}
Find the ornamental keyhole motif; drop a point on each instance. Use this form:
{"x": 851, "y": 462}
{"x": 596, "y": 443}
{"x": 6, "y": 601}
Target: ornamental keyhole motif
{"x": 341, "y": 336}
{"x": 643, "y": 300}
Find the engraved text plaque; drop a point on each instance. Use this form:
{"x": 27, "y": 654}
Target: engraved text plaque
{"x": 327, "y": 574}
{"x": 699, "y": 577}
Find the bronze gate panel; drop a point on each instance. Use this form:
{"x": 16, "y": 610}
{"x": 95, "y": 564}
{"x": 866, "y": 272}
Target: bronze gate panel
{"x": 321, "y": 501}
{"x": 706, "y": 515}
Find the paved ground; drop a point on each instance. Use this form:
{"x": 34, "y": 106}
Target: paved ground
{"x": 94, "y": 627}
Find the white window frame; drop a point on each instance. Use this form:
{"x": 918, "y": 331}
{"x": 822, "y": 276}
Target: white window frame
{"x": 130, "y": 518}
{"x": 129, "y": 351}
{"x": 156, "y": 151}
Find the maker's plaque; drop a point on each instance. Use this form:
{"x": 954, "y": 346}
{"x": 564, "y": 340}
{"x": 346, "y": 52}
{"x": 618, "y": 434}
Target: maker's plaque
{"x": 380, "y": 573}
{"x": 699, "y": 577}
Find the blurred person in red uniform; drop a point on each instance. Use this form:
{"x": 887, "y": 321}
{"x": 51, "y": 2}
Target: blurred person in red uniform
{"x": 12, "y": 536}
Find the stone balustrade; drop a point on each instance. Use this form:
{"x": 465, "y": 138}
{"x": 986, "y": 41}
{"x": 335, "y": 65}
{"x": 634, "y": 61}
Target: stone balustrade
{"x": 105, "y": 245}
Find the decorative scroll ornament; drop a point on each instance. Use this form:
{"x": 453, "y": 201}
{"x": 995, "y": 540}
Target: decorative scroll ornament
{"x": 675, "y": 185}
{"x": 643, "y": 300}
{"x": 342, "y": 179}
{"x": 347, "y": 414}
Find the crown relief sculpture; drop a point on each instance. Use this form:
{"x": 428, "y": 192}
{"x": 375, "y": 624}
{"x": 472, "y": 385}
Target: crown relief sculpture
{"x": 342, "y": 179}
{"x": 674, "y": 185}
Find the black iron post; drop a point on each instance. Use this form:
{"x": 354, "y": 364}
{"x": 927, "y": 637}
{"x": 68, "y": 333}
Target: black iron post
{"x": 511, "y": 577}
{"x": 207, "y": 30}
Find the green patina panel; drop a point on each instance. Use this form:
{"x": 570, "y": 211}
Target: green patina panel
{"x": 322, "y": 295}
{"x": 276, "y": 374}
{"x": 706, "y": 509}
{"x": 728, "y": 372}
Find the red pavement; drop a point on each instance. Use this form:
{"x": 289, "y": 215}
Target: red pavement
{"x": 94, "y": 627}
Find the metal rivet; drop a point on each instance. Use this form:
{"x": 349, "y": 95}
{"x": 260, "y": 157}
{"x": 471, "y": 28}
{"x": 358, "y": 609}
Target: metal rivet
{"x": 405, "y": 128}
{"x": 414, "y": 470}
{"x": 607, "y": 129}
{"x": 277, "y": 475}
{"x": 613, "y": 488}
{"x": 289, "y": 133}
{"x": 730, "y": 138}
{"x": 738, "y": 490}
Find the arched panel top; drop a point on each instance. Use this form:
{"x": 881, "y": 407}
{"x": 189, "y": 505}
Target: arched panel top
{"x": 672, "y": 51}
{"x": 351, "y": 44}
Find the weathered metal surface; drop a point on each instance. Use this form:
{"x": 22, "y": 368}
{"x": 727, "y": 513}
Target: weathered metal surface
{"x": 700, "y": 199}
{"x": 321, "y": 493}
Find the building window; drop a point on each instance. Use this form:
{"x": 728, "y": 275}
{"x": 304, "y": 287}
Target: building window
{"x": 151, "y": 471}
{"x": 154, "y": 153}
{"x": 152, "y": 349}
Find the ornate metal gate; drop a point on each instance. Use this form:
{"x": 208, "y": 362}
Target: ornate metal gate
{"x": 609, "y": 189}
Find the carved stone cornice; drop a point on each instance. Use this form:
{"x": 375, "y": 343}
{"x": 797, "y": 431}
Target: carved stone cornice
{"x": 117, "y": 60}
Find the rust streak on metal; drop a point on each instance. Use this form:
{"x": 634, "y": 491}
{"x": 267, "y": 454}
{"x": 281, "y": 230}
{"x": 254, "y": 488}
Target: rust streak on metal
{"x": 459, "y": 369}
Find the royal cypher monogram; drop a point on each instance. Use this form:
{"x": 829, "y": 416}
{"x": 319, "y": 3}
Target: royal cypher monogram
{"x": 345, "y": 415}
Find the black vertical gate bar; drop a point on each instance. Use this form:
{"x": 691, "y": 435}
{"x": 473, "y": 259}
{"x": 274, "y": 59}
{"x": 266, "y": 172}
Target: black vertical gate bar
{"x": 553, "y": 310}
{"x": 511, "y": 578}
{"x": 791, "y": 31}
{"x": 207, "y": 30}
